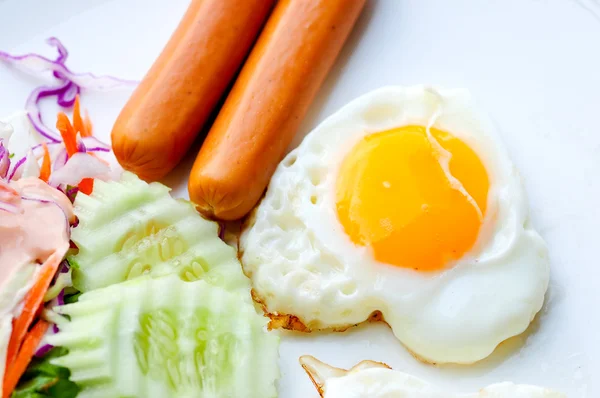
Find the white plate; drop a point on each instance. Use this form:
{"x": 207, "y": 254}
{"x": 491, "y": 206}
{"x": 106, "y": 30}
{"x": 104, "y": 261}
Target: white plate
{"x": 535, "y": 66}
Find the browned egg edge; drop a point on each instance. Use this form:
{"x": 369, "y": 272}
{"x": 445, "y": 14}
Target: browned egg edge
{"x": 332, "y": 371}
{"x": 294, "y": 323}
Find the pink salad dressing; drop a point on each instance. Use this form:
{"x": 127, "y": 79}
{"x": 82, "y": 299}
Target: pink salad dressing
{"x": 37, "y": 226}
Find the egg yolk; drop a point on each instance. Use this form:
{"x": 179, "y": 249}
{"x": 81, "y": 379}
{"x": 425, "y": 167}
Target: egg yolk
{"x": 416, "y": 199}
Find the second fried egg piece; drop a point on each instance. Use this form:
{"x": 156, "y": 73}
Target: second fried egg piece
{"x": 403, "y": 202}
{"x": 370, "y": 379}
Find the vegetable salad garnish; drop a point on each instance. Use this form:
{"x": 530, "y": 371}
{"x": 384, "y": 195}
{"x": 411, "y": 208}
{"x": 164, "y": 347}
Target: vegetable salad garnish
{"x": 37, "y": 187}
{"x": 115, "y": 288}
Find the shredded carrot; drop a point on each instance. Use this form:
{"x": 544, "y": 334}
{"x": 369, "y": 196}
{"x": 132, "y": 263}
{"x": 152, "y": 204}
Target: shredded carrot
{"x": 33, "y": 303}
{"x": 86, "y": 186}
{"x": 78, "y": 123}
{"x": 15, "y": 370}
{"x": 46, "y": 165}
{"x": 89, "y": 128}
{"x": 68, "y": 133}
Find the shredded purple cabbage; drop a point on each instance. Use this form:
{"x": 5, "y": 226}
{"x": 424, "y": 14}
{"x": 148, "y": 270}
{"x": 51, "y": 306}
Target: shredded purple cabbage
{"x": 69, "y": 83}
{"x": 36, "y": 64}
{"x": 86, "y": 144}
{"x": 95, "y": 145}
{"x": 19, "y": 163}
{"x": 62, "y": 51}
{"x": 98, "y": 149}
{"x": 33, "y": 111}
{"x": 68, "y": 86}
{"x": 43, "y": 350}
{"x": 80, "y": 145}
{"x": 71, "y": 193}
{"x": 60, "y": 299}
{"x": 4, "y": 160}
{"x": 7, "y": 207}
{"x": 91, "y": 142}
{"x": 64, "y": 267}
{"x": 61, "y": 159}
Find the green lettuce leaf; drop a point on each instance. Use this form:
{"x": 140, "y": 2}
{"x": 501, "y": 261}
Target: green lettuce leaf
{"x": 42, "y": 379}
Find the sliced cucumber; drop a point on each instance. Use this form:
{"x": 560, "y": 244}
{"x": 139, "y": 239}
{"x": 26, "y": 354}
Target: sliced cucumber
{"x": 164, "y": 337}
{"x": 130, "y": 228}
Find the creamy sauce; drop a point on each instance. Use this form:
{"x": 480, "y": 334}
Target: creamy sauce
{"x": 36, "y": 226}
{"x": 37, "y": 229}
{"x": 5, "y": 330}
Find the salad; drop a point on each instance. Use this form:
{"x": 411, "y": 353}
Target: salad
{"x": 108, "y": 285}
{"x": 39, "y": 179}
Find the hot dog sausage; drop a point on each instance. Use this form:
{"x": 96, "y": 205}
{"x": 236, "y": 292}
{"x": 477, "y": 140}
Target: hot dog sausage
{"x": 284, "y": 71}
{"x": 175, "y": 98}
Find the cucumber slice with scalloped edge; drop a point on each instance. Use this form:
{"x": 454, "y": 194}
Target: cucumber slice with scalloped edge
{"x": 130, "y": 228}
{"x": 164, "y": 337}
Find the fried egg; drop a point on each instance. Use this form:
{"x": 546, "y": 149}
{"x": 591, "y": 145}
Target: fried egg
{"x": 403, "y": 203}
{"x": 371, "y": 379}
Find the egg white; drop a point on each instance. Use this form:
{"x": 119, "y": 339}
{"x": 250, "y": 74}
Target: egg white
{"x": 373, "y": 380}
{"x": 386, "y": 383}
{"x": 302, "y": 263}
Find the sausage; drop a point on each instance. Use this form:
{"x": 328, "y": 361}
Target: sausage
{"x": 284, "y": 71}
{"x": 169, "y": 107}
